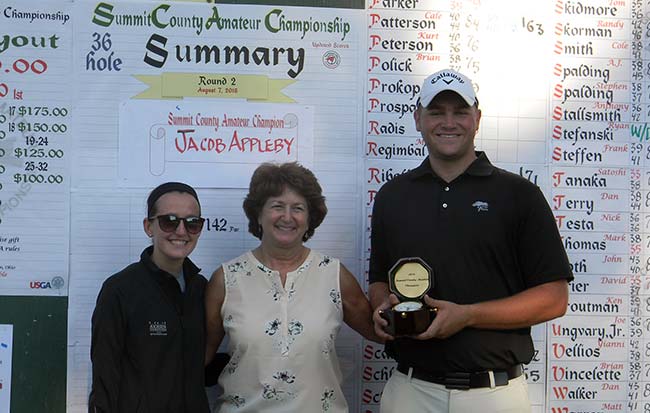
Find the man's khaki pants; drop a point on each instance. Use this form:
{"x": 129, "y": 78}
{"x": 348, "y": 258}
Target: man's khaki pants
{"x": 403, "y": 394}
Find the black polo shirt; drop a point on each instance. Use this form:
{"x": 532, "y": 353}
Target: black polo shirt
{"x": 488, "y": 234}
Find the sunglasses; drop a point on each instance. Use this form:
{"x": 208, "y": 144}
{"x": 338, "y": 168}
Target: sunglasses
{"x": 169, "y": 223}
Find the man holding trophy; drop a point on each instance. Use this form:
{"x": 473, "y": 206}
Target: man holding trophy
{"x": 465, "y": 258}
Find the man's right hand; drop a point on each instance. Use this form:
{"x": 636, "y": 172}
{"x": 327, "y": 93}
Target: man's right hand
{"x": 379, "y": 322}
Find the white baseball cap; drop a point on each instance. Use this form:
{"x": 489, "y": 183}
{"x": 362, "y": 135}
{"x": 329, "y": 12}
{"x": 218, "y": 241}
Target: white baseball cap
{"x": 447, "y": 79}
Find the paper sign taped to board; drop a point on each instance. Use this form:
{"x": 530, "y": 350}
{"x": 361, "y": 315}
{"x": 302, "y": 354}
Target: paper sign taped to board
{"x": 217, "y": 145}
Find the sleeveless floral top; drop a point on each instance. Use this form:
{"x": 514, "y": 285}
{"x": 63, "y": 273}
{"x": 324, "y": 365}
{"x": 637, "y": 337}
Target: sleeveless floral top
{"x": 282, "y": 339}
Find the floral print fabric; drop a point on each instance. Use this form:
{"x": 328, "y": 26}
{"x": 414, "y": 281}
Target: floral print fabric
{"x": 282, "y": 338}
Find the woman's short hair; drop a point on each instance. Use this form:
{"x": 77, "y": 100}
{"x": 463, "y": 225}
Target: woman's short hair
{"x": 271, "y": 180}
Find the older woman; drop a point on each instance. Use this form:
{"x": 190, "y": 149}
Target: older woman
{"x": 148, "y": 327}
{"x": 282, "y": 303}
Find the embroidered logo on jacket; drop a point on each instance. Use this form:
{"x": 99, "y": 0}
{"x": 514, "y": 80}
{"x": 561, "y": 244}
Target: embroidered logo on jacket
{"x": 157, "y": 328}
{"x": 480, "y": 206}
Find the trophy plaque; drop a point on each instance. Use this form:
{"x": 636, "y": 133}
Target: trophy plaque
{"x": 409, "y": 279}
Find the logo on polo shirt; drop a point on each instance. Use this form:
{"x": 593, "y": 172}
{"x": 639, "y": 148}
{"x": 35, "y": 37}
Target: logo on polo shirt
{"x": 480, "y": 206}
{"x": 157, "y": 328}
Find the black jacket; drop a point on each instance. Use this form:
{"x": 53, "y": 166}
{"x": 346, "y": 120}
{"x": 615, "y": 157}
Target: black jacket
{"x": 148, "y": 342}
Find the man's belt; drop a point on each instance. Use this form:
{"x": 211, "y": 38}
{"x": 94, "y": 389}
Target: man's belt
{"x": 465, "y": 381}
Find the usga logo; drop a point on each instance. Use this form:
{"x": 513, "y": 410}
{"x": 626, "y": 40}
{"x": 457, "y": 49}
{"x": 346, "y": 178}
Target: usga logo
{"x": 56, "y": 283}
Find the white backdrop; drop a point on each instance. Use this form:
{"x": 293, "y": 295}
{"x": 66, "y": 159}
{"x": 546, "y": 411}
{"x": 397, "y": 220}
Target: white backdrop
{"x": 87, "y": 91}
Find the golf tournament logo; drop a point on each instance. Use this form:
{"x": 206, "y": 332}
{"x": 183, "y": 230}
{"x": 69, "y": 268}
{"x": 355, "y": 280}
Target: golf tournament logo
{"x": 331, "y": 59}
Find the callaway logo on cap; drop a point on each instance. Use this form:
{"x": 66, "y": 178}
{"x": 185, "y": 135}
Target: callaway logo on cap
{"x": 447, "y": 80}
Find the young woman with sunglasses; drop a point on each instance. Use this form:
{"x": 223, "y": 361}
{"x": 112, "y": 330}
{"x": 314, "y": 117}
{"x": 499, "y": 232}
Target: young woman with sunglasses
{"x": 148, "y": 327}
